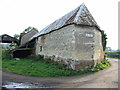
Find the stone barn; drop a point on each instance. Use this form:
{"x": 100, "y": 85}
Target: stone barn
{"x": 74, "y": 39}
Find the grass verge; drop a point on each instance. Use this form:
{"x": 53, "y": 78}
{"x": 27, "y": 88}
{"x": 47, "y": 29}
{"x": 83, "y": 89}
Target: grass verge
{"x": 44, "y": 68}
{"x": 38, "y": 66}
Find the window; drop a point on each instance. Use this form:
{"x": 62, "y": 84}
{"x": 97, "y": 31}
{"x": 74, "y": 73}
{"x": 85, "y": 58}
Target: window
{"x": 89, "y": 35}
{"x": 40, "y": 48}
{"x": 92, "y": 56}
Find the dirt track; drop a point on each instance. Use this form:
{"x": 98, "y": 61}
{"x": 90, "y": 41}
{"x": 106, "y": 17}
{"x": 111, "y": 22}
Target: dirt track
{"x": 107, "y": 78}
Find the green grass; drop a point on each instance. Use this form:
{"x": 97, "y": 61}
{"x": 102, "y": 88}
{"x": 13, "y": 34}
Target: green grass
{"x": 33, "y": 67}
{"x": 38, "y": 66}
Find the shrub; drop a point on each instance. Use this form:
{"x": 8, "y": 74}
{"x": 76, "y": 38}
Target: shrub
{"x": 100, "y": 66}
{"x": 104, "y": 39}
{"x": 51, "y": 62}
{"x": 31, "y": 56}
{"x": 39, "y": 57}
{"x": 6, "y": 54}
{"x": 36, "y": 57}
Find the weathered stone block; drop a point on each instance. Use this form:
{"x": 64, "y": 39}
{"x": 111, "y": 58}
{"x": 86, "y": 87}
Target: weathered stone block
{"x": 84, "y": 64}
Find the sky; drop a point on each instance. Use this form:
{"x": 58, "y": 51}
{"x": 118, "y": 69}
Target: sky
{"x": 17, "y": 15}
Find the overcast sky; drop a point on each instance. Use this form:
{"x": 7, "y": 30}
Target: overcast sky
{"x": 17, "y": 15}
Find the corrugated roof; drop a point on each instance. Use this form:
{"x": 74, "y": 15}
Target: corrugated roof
{"x": 80, "y": 15}
{"x": 28, "y": 35}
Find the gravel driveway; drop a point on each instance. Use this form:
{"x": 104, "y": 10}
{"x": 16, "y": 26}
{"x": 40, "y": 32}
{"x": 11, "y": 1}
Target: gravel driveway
{"x": 107, "y": 78}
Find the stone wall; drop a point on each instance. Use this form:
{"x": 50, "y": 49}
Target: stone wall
{"x": 84, "y": 46}
{"x": 88, "y": 44}
{"x": 73, "y": 45}
{"x": 84, "y": 42}
{"x": 58, "y": 43}
{"x": 98, "y": 50}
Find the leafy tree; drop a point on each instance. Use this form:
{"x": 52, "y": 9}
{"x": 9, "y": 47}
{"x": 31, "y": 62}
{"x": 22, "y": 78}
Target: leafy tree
{"x": 108, "y": 49}
{"x": 27, "y": 29}
{"x": 17, "y": 36}
{"x": 104, "y": 40}
{"x": 12, "y": 46}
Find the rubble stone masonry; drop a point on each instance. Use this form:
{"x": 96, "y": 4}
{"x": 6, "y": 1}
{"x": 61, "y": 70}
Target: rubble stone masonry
{"x": 79, "y": 47}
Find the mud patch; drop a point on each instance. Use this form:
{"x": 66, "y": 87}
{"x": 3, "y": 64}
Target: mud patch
{"x": 23, "y": 85}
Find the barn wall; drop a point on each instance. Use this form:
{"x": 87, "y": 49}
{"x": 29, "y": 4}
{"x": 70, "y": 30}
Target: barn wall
{"x": 84, "y": 46}
{"x": 73, "y": 45}
{"x": 98, "y": 51}
{"x": 84, "y": 43}
{"x": 88, "y": 46}
{"x": 58, "y": 43}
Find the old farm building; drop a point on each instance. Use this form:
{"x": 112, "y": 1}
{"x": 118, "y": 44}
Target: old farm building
{"x": 26, "y": 47}
{"x": 8, "y": 39}
{"x": 74, "y": 39}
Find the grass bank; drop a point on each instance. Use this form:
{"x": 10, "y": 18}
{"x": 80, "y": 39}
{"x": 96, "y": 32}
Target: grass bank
{"x": 45, "y": 68}
{"x": 37, "y": 66}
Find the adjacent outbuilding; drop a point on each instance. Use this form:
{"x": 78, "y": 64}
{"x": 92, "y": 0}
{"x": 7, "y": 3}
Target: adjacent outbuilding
{"x": 26, "y": 47}
{"x": 8, "y": 39}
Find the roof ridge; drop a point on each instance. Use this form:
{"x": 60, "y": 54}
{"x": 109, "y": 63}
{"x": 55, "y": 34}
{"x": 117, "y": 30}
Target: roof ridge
{"x": 78, "y": 13}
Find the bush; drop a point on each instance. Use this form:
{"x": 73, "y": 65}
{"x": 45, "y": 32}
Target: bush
{"x": 31, "y": 57}
{"x": 36, "y": 57}
{"x": 104, "y": 39}
{"x": 51, "y": 62}
{"x": 100, "y": 66}
{"x": 39, "y": 57}
{"x": 6, "y": 54}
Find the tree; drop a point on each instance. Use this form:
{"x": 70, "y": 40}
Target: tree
{"x": 17, "y": 36}
{"x": 27, "y": 29}
{"x": 104, "y": 39}
{"x": 108, "y": 49}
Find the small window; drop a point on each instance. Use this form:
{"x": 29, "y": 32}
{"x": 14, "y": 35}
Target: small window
{"x": 88, "y": 35}
{"x": 40, "y": 48}
{"x": 92, "y": 56}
